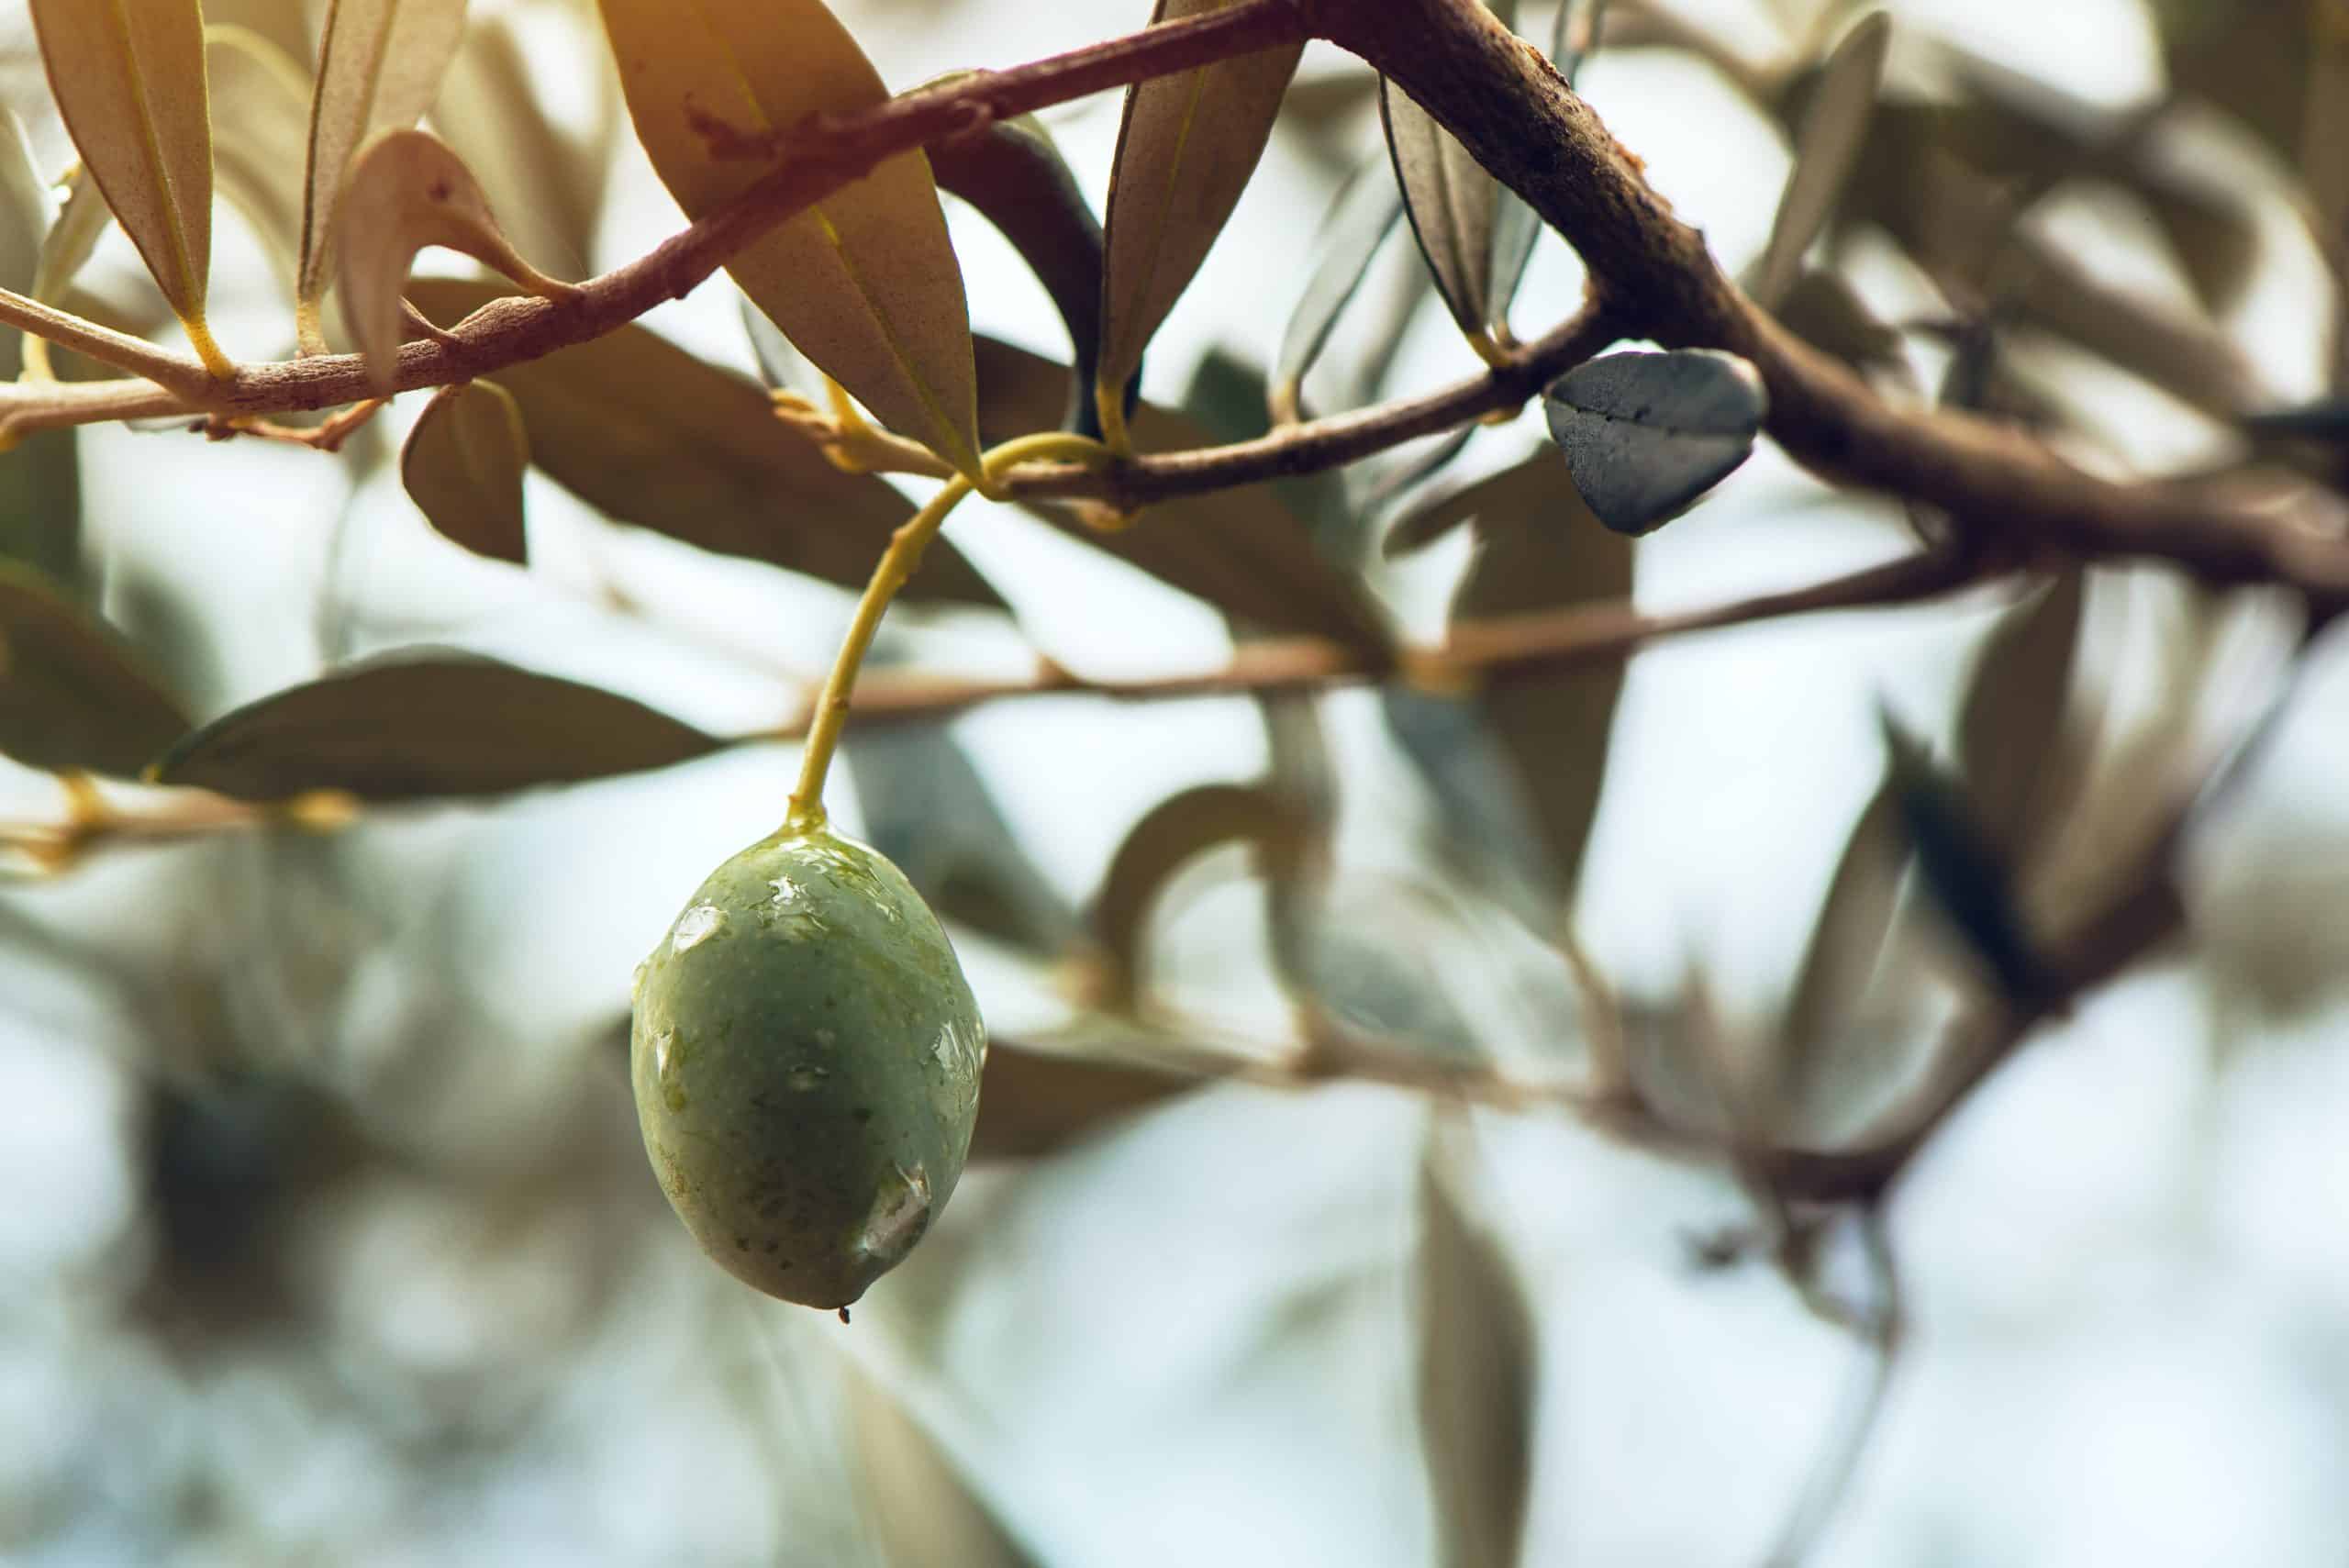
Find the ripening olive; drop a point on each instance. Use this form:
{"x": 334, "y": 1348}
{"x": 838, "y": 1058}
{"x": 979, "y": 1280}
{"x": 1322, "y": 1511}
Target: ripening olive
{"x": 805, "y": 1058}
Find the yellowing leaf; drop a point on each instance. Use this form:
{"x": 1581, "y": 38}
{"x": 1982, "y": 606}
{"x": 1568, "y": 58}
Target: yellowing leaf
{"x": 1185, "y": 150}
{"x": 864, "y": 282}
{"x": 260, "y": 104}
{"x": 464, "y": 465}
{"x": 409, "y": 191}
{"x": 81, "y": 221}
{"x": 379, "y": 67}
{"x": 128, "y": 76}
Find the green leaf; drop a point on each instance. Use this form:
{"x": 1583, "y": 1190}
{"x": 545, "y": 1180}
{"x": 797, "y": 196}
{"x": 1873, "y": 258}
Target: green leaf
{"x": 864, "y": 281}
{"x": 1478, "y": 1356}
{"x": 545, "y": 179}
{"x": 421, "y": 725}
{"x": 1834, "y": 125}
{"x": 1037, "y": 1099}
{"x": 922, "y": 1505}
{"x": 1847, "y": 943}
{"x": 649, "y": 434}
{"x": 464, "y": 465}
{"x": 1542, "y": 550}
{"x": 1241, "y": 550}
{"x": 40, "y": 493}
{"x": 1014, "y": 175}
{"x": 1646, "y": 435}
{"x": 1963, "y": 870}
{"x": 72, "y": 694}
{"x": 261, "y": 110}
{"x": 1186, "y": 148}
{"x": 1170, "y": 836}
{"x": 2011, "y": 727}
{"x": 408, "y": 190}
{"x": 129, "y": 80}
{"x": 379, "y": 67}
{"x": 73, "y": 239}
{"x": 1358, "y": 224}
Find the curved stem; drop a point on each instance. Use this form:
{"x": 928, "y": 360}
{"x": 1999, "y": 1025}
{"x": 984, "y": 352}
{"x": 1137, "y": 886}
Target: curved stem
{"x": 899, "y": 563}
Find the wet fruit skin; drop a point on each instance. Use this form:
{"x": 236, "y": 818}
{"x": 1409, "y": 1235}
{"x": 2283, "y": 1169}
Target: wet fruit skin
{"x": 805, "y": 1056}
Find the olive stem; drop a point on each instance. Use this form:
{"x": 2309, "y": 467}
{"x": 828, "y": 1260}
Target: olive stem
{"x": 898, "y": 564}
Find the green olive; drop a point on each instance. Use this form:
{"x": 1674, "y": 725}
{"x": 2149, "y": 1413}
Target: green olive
{"x": 805, "y": 1057}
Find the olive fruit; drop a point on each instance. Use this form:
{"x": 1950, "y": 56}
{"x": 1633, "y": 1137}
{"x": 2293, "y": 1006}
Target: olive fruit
{"x": 805, "y": 1057}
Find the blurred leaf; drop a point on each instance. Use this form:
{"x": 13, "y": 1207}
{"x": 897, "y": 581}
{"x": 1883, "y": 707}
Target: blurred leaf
{"x": 408, "y": 190}
{"x": 261, "y": 110}
{"x": 81, "y": 224}
{"x": 1962, "y": 869}
{"x": 380, "y": 65}
{"x": 2249, "y": 58}
{"x": 639, "y": 428}
{"x": 1646, "y": 435}
{"x": 1854, "y": 922}
{"x": 1358, "y": 224}
{"x": 1531, "y": 491}
{"x": 1169, "y": 836}
{"x": 1186, "y": 147}
{"x": 920, "y": 1502}
{"x": 547, "y": 181}
{"x": 1241, "y": 550}
{"x": 72, "y": 694}
{"x": 40, "y": 492}
{"x": 1823, "y": 310}
{"x": 924, "y": 806}
{"x": 1835, "y": 124}
{"x": 1034, "y": 1101}
{"x": 864, "y": 281}
{"x": 2010, "y": 726}
{"x": 129, "y": 81}
{"x": 1014, "y": 175}
{"x": 1478, "y": 1352}
{"x": 1555, "y": 726}
{"x": 464, "y": 465}
{"x": 426, "y": 724}
{"x": 2326, "y": 419}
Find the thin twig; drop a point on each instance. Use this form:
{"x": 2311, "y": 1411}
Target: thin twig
{"x": 1878, "y": 1323}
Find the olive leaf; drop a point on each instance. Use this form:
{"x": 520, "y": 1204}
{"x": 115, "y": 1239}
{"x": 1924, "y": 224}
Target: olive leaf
{"x": 1037, "y": 1098}
{"x": 129, "y": 81}
{"x": 546, "y": 179}
{"x": 1186, "y": 147}
{"x": 462, "y": 466}
{"x": 41, "y": 500}
{"x": 71, "y": 239}
{"x": 1169, "y": 836}
{"x": 380, "y": 65}
{"x": 408, "y": 190}
{"x": 922, "y": 1503}
{"x": 924, "y": 806}
{"x": 1476, "y": 234}
{"x": 1013, "y": 173}
{"x": 2010, "y": 725}
{"x": 261, "y": 107}
{"x": 2326, "y": 419}
{"x": 1478, "y": 1356}
{"x": 644, "y": 431}
{"x": 1646, "y": 434}
{"x": 1241, "y": 550}
{"x": 1541, "y": 552}
{"x": 424, "y": 724}
{"x": 1963, "y": 870}
{"x": 1847, "y": 942}
{"x": 1835, "y": 124}
{"x": 1359, "y": 222}
{"x": 865, "y": 282}
{"x": 1824, "y": 311}
{"x": 1525, "y": 490}
{"x": 73, "y": 694}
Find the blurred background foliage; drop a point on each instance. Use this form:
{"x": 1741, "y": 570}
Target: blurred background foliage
{"x": 1370, "y": 1166}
